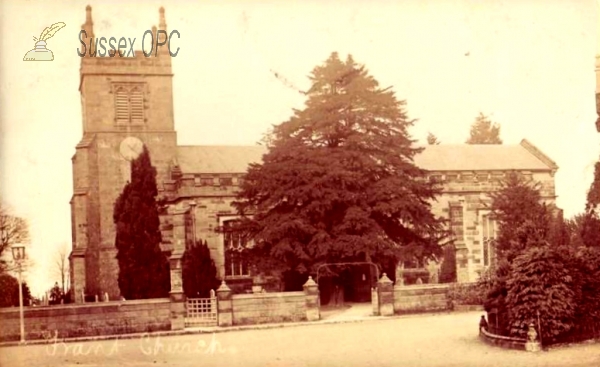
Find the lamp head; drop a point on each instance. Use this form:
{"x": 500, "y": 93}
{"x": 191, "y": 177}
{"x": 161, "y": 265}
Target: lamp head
{"x": 18, "y": 252}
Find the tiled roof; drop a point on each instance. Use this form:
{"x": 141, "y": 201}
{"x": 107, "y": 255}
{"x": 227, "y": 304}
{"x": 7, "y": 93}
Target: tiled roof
{"x": 235, "y": 159}
{"x": 218, "y": 159}
{"x": 483, "y": 157}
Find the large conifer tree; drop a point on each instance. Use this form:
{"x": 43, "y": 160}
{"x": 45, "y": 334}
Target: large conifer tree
{"x": 521, "y": 215}
{"x": 432, "y": 139}
{"x": 339, "y": 182}
{"x": 143, "y": 267}
{"x": 483, "y": 131}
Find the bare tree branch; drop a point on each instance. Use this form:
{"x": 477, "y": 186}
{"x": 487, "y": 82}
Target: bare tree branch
{"x": 13, "y": 230}
{"x": 61, "y": 266}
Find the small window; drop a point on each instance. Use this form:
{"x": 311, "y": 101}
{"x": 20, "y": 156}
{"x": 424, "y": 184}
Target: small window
{"x": 206, "y": 181}
{"x": 489, "y": 235}
{"x": 226, "y": 181}
{"x": 456, "y": 214}
{"x": 456, "y": 221}
{"x": 435, "y": 178}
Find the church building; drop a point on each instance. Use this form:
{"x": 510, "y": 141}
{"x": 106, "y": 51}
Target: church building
{"x": 127, "y": 103}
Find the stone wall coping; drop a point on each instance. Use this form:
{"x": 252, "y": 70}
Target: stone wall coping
{"x": 269, "y": 295}
{"x": 464, "y": 284}
{"x": 470, "y": 171}
{"x": 489, "y": 335}
{"x": 422, "y": 286}
{"x": 87, "y": 304}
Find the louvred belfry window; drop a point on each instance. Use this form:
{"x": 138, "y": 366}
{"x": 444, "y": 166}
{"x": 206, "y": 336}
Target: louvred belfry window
{"x": 121, "y": 105}
{"x": 129, "y": 104}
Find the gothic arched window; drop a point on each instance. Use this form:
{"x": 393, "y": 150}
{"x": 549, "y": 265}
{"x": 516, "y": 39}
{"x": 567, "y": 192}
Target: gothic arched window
{"x": 234, "y": 247}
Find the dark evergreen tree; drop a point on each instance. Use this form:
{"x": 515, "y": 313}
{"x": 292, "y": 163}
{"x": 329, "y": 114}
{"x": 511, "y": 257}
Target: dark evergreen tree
{"x": 339, "y": 182}
{"x": 56, "y": 295}
{"x": 559, "y": 235}
{"x": 199, "y": 272}
{"x": 523, "y": 221}
{"x": 582, "y": 258}
{"x": 484, "y": 131}
{"x": 593, "y": 195}
{"x": 9, "y": 291}
{"x": 521, "y": 215}
{"x": 574, "y": 226}
{"x": 587, "y": 278}
{"x": 432, "y": 139}
{"x": 590, "y": 229}
{"x": 584, "y": 230}
{"x": 143, "y": 267}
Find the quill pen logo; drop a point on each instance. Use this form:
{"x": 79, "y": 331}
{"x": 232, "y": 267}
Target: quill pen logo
{"x": 40, "y": 52}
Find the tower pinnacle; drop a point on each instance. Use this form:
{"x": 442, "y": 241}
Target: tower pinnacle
{"x": 161, "y": 19}
{"x": 88, "y": 26}
{"x": 162, "y": 26}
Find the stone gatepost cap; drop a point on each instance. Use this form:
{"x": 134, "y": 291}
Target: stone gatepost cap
{"x": 385, "y": 280}
{"x": 310, "y": 282}
{"x": 223, "y": 287}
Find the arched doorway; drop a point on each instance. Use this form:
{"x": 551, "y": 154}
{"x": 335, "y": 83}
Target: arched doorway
{"x": 343, "y": 282}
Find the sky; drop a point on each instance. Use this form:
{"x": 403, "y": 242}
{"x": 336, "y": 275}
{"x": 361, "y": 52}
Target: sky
{"x": 527, "y": 64}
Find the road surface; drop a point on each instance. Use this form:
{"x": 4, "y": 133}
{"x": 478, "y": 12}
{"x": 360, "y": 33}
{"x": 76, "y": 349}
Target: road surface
{"x": 448, "y": 340}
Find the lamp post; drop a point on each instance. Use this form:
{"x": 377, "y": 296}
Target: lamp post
{"x": 18, "y": 253}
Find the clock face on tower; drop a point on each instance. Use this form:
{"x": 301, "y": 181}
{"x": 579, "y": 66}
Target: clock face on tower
{"x": 131, "y": 148}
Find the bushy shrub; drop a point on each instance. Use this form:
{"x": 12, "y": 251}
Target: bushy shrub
{"x": 468, "y": 294}
{"x": 547, "y": 270}
{"x": 585, "y": 264}
{"x": 540, "y": 288}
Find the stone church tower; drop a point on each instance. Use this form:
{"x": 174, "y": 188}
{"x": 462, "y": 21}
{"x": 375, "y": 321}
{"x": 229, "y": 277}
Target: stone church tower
{"x": 127, "y": 102}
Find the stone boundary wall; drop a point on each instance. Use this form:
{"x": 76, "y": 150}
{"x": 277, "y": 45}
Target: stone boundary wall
{"x": 263, "y": 308}
{"x": 89, "y": 319}
{"x": 502, "y": 341}
{"x": 467, "y": 308}
{"x": 421, "y": 298}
